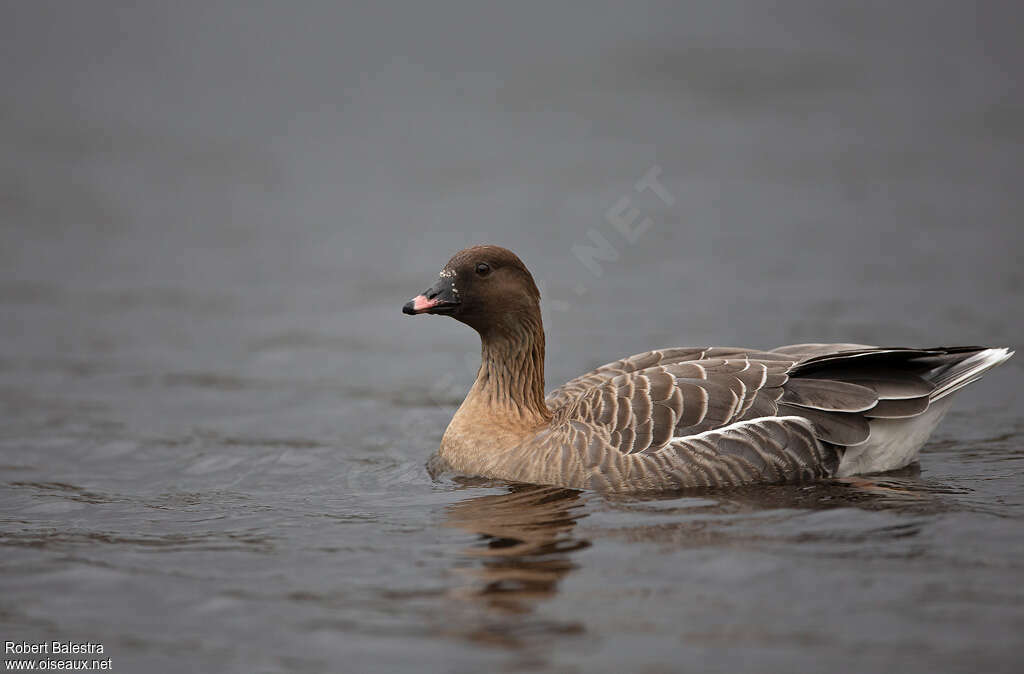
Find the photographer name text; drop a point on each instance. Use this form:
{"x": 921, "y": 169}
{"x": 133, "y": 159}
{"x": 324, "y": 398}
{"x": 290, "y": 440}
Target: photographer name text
{"x": 52, "y": 647}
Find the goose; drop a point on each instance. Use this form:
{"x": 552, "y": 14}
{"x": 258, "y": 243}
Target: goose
{"x": 679, "y": 418}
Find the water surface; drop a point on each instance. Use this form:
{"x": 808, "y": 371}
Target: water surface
{"x": 214, "y": 419}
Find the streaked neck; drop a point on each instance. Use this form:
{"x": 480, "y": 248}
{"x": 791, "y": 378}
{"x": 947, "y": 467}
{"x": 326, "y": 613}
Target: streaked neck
{"x": 510, "y": 382}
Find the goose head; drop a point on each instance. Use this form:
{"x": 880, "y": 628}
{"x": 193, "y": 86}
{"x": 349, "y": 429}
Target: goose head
{"x": 485, "y": 287}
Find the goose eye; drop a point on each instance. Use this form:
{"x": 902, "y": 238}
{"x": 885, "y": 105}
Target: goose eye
{"x": 483, "y": 269}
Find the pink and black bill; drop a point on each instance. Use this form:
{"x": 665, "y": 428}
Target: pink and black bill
{"x": 440, "y": 298}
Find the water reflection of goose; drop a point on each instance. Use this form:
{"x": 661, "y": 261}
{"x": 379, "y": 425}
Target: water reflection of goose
{"x": 896, "y": 491}
{"x": 525, "y": 547}
{"x": 788, "y": 518}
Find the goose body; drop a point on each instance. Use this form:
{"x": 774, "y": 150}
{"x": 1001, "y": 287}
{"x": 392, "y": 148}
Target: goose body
{"x": 680, "y": 417}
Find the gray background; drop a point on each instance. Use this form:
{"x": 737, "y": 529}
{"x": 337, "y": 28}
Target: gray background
{"x": 215, "y": 416}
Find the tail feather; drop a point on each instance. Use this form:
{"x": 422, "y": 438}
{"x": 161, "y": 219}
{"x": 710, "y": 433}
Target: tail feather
{"x": 910, "y": 390}
{"x": 951, "y": 378}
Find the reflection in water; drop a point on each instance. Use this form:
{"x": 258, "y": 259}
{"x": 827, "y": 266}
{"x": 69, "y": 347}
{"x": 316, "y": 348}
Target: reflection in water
{"x": 790, "y": 518}
{"x": 896, "y": 491}
{"x": 528, "y": 535}
{"x": 525, "y": 548}
{"x": 526, "y": 543}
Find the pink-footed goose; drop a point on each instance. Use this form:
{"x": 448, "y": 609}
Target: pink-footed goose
{"x": 681, "y": 417}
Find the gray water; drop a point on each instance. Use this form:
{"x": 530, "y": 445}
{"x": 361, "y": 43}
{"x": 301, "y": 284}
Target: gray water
{"x": 215, "y": 418}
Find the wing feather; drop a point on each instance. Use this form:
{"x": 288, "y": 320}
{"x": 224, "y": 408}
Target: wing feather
{"x": 675, "y": 418}
{"x": 833, "y": 396}
{"x": 646, "y": 409}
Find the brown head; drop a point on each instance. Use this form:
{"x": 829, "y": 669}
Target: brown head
{"x": 485, "y": 287}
